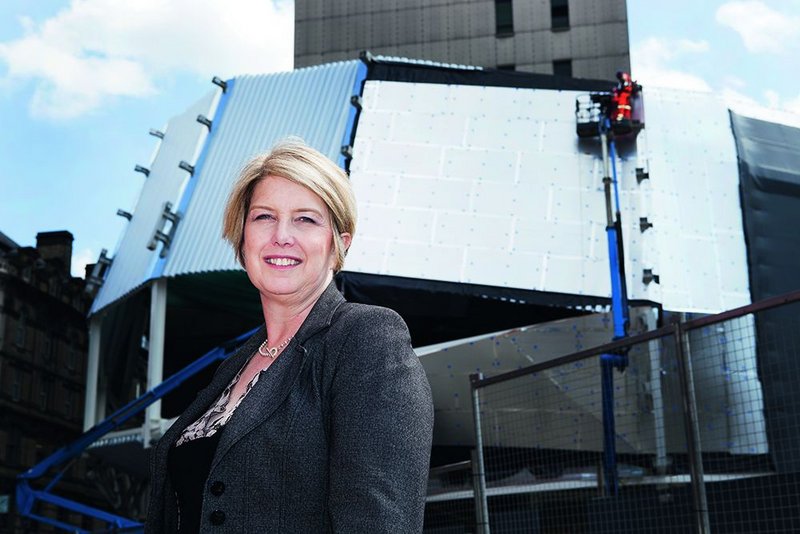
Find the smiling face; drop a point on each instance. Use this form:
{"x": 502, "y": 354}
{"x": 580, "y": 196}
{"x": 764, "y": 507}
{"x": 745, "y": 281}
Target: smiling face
{"x": 288, "y": 243}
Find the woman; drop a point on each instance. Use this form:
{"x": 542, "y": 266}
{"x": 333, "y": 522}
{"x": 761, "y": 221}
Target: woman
{"x": 322, "y": 421}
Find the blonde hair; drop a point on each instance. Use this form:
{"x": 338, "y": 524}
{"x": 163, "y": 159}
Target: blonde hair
{"x": 299, "y": 163}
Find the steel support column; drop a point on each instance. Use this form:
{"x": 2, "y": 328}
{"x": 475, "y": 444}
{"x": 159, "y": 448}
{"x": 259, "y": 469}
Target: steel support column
{"x": 692, "y": 430}
{"x": 155, "y": 360}
{"x": 92, "y": 372}
{"x": 478, "y": 469}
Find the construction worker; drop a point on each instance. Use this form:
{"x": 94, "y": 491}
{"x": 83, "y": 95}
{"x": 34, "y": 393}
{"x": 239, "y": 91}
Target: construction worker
{"x": 621, "y": 97}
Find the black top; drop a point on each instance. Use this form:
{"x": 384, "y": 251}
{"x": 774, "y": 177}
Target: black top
{"x": 189, "y": 466}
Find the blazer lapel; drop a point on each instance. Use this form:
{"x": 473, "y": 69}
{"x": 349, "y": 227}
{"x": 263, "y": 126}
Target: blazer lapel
{"x": 274, "y": 385}
{"x": 210, "y": 393}
{"x": 321, "y": 314}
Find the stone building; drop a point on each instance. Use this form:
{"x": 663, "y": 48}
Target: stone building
{"x": 43, "y": 347}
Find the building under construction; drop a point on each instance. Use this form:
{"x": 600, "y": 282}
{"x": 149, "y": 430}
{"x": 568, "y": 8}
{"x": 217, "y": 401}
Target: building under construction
{"x": 484, "y": 220}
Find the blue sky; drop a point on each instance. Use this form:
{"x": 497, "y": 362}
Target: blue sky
{"x": 83, "y": 81}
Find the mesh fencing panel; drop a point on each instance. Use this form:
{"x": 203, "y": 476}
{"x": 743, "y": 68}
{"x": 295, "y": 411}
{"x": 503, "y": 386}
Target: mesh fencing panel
{"x": 737, "y": 364}
{"x": 544, "y": 435}
{"x": 450, "y": 505}
{"x": 705, "y": 433}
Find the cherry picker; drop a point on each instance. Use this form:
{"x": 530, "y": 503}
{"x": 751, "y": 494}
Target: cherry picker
{"x": 599, "y": 115}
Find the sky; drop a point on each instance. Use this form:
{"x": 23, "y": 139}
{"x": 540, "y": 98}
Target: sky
{"x": 83, "y": 81}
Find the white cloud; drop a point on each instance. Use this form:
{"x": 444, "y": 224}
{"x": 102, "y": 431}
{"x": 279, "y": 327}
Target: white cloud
{"x": 793, "y": 105}
{"x": 651, "y": 63}
{"x": 772, "y": 110}
{"x": 737, "y": 100}
{"x": 761, "y": 28}
{"x": 80, "y": 260}
{"x": 686, "y": 45}
{"x": 96, "y": 50}
{"x": 734, "y": 81}
{"x": 772, "y": 99}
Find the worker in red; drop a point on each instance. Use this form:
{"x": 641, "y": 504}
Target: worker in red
{"x": 621, "y": 97}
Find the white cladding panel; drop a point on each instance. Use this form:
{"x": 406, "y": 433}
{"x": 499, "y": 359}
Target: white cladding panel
{"x": 490, "y": 185}
{"x": 692, "y": 198}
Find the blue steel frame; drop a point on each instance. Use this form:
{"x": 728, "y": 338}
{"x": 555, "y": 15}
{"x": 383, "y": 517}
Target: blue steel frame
{"x": 352, "y": 117}
{"x": 27, "y": 497}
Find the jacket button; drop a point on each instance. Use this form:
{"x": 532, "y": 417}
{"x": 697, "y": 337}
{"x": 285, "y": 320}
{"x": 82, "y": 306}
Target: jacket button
{"x": 217, "y": 517}
{"x": 217, "y": 488}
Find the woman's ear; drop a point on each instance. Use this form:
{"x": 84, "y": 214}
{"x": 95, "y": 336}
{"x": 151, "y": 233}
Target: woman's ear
{"x": 346, "y": 240}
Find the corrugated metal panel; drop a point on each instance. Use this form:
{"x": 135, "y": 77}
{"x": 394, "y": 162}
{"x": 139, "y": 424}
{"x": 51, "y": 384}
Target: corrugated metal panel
{"x": 310, "y": 103}
{"x": 133, "y": 262}
{"x": 425, "y": 62}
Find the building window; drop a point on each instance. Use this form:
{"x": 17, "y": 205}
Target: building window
{"x": 508, "y": 66}
{"x": 72, "y": 359}
{"x": 12, "y": 451}
{"x": 504, "y": 17}
{"x": 69, "y": 402}
{"x": 54, "y": 287}
{"x": 3, "y": 446}
{"x": 562, "y": 67}
{"x": 16, "y": 385}
{"x": 559, "y": 14}
{"x": 44, "y": 394}
{"x": 47, "y": 347}
{"x": 19, "y": 338}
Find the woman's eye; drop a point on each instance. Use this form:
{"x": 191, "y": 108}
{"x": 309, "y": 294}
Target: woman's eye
{"x": 262, "y": 217}
{"x": 305, "y": 219}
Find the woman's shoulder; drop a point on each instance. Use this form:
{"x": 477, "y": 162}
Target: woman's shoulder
{"x": 352, "y": 315}
{"x": 363, "y": 327}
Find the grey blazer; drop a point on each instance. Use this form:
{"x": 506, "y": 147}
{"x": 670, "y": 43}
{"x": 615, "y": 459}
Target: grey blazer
{"x": 334, "y": 437}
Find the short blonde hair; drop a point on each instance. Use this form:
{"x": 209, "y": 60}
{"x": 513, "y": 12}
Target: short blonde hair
{"x": 299, "y": 163}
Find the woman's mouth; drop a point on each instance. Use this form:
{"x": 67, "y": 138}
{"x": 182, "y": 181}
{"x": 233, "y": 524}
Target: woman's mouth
{"x": 282, "y": 261}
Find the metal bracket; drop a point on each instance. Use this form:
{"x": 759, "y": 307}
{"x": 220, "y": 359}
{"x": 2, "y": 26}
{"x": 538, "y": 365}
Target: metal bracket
{"x": 205, "y": 121}
{"x": 648, "y": 276}
{"x": 641, "y": 175}
{"x": 143, "y": 170}
{"x": 99, "y": 271}
{"x": 126, "y": 214}
{"x": 366, "y": 56}
{"x": 220, "y": 82}
{"x": 156, "y": 133}
{"x": 356, "y": 101}
{"x": 160, "y": 235}
{"x": 644, "y": 224}
{"x": 186, "y": 167}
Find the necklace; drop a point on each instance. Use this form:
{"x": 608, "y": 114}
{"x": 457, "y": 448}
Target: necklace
{"x": 266, "y": 351}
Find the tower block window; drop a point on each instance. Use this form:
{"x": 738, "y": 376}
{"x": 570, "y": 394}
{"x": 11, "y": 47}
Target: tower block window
{"x": 504, "y": 18}
{"x": 559, "y": 14}
{"x": 562, "y": 67}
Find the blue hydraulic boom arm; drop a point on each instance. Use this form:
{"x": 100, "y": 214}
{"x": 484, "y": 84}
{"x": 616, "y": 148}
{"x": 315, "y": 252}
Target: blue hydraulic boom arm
{"x": 27, "y": 496}
{"x": 619, "y": 306}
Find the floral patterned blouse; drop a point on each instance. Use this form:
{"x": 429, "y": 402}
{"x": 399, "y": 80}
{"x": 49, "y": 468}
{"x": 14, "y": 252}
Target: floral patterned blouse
{"x": 216, "y": 416}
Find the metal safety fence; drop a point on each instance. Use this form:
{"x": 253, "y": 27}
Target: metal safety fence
{"x": 692, "y": 427}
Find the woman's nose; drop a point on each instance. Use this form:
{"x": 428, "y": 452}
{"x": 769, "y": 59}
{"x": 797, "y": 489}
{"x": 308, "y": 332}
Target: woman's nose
{"x": 283, "y": 233}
